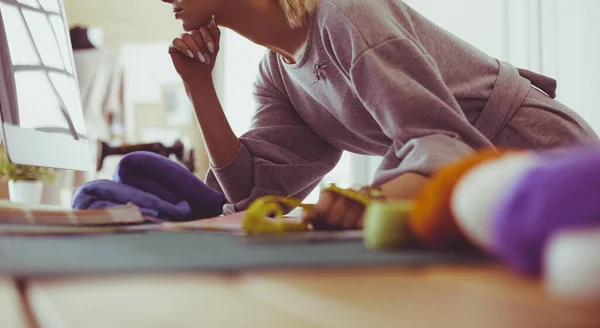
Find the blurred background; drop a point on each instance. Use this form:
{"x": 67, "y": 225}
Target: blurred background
{"x": 137, "y": 97}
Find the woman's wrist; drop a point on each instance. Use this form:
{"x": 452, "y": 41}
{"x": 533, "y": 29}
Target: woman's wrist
{"x": 404, "y": 186}
{"x": 199, "y": 83}
{"x": 374, "y": 192}
{"x": 203, "y": 95}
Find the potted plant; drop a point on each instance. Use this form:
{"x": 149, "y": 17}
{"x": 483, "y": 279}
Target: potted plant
{"x": 25, "y": 182}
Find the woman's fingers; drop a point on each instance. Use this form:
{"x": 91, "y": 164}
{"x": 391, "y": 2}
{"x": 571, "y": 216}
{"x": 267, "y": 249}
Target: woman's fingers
{"x": 196, "y": 49}
{"x": 318, "y": 214}
{"x": 215, "y": 32}
{"x": 201, "y": 52}
{"x": 207, "y": 40}
{"x": 326, "y": 200}
{"x": 201, "y": 44}
{"x": 182, "y": 47}
{"x": 337, "y": 212}
{"x": 354, "y": 213}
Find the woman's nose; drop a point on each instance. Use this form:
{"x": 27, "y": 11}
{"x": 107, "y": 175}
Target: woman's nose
{"x": 167, "y": 1}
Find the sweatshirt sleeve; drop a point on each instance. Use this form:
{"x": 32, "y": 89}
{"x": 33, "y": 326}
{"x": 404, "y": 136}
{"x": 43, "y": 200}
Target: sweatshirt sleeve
{"x": 401, "y": 87}
{"x": 279, "y": 155}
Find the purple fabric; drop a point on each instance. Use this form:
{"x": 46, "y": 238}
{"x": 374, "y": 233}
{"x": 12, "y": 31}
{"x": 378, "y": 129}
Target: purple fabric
{"x": 561, "y": 193}
{"x": 159, "y": 186}
{"x": 105, "y": 193}
{"x": 171, "y": 182}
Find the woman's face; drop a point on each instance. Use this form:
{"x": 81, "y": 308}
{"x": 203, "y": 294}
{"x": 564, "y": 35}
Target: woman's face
{"x": 194, "y": 13}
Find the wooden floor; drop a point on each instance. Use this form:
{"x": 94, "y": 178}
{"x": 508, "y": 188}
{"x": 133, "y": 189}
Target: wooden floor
{"x": 434, "y": 297}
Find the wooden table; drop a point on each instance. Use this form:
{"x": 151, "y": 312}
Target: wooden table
{"x": 393, "y": 297}
{"x": 12, "y": 312}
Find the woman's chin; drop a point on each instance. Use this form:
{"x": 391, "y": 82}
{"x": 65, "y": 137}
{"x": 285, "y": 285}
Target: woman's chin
{"x": 187, "y": 26}
{"x": 192, "y": 25}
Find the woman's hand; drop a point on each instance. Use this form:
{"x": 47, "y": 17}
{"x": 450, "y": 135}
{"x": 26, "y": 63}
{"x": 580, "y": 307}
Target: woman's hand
{"x": 194, "y": 53}
{"x": 334, "y": 211}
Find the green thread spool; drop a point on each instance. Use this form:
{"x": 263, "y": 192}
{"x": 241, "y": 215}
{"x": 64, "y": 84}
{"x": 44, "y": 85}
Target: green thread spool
{"x": 386, "y": 225}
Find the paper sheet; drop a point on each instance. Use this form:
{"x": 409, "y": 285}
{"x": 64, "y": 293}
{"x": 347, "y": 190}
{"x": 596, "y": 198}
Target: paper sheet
{"x": 307, "y": 237}
{"x": 21, "y": 229}
{"x": 230, "y": 224}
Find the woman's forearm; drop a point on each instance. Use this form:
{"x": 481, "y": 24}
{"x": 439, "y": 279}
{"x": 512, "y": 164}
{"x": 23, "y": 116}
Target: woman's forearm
{"x": 221, "y": 143}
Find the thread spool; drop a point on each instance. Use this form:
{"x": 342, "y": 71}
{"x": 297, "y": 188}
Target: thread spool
{"x": 560, "y": 193}
{"x": 477, "y": 194}
{"x": 385, "y": 225}
{"x": 572, "y": 265}
{"x": 431, "y": 220}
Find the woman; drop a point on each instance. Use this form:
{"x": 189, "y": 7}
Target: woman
{"x": 370, "y": 77}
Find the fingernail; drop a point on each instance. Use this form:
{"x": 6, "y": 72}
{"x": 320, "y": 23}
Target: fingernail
{"x": 189, "y": 52}
{"x": 207, "y": 59}
{"x": 211, "y": 47}
{"x": 201, "y": 57}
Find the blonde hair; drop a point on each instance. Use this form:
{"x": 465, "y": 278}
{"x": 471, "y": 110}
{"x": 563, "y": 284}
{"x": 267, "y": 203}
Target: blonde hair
{"x": 297, "y": 11}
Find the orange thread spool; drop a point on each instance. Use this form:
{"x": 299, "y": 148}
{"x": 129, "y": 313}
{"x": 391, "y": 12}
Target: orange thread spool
{"x": 431, "y": 220}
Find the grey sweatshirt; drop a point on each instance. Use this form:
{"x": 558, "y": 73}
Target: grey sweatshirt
{"x": 378, "y": 79}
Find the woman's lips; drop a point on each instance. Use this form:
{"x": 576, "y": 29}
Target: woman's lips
{"x": 178, "y": 13}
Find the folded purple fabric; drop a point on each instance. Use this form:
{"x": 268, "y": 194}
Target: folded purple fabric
{"x": 171, "y": 182}
{"x": 161, "y": 187}
{"x": 561, "y": 193}
{"x": 105, "y": 193}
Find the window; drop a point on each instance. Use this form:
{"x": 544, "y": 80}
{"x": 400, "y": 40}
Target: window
{"x": 42, "y": 86}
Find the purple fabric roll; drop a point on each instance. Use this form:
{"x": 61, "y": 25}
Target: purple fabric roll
{"x": 561, "y": 193}
{"x": 171, "y": 182}
{"x": 105, "y": 193}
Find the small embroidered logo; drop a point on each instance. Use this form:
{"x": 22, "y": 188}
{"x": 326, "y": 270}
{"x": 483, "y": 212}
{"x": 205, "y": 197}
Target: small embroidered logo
{"x": 318, "y": 70}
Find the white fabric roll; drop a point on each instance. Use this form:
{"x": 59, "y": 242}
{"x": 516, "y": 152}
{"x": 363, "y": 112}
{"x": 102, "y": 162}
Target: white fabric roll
{"x": 478, "y": 191}
{"x": 572, "y": 265}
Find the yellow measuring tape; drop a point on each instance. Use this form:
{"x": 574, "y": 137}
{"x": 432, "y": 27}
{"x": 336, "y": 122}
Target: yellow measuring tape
{"x": 258, "y": 221}
{"x": 385, "y": 222}
{"x": 266, "y": 214}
